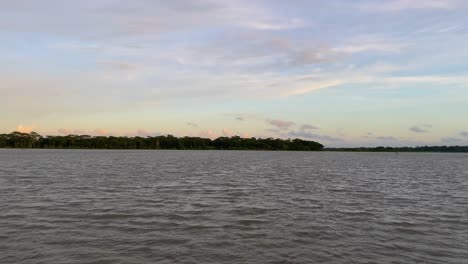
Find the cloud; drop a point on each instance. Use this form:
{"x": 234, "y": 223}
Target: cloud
{"x": 340, "y": 131}
{"x": 64, "y": 131}
{"x": 113, "y": 20}
{"x": 273, "y": 130}
{"x": 245, "y": 135}
{"x": 101, "y": 132}
{"x": 277, "y": 25}
{"x": 227, "y": 133}
{"x": 24, "y": 129}
{"x": 464, "y": 134}
{"x": 369, "y": 46}
{"x": 451, "y": 140}
{"x": 280, "y": 124}
{"x": 403, "y": 5}
{"x": 308, "y": 135}
{"x": 368, "y": 135}
{"x": 299, "y": 57}
{"x": 192, "y": 124}
{"x": 313, "y": 87}
{"x": 208, "y": 134}
{"x": 307, "y": 127}
{"x": 143, "y": 133}
{"x": 420, "y": 129}
{"x": 244, "y": 116}
{"x": 387, "y": 138}
{"x": 80, "y": 132}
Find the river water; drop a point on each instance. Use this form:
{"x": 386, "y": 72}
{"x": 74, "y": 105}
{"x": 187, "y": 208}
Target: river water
{"x": 98, "y": 206}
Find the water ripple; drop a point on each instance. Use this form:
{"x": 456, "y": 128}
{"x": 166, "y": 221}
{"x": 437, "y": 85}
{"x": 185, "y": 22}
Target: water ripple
{"x": 79, "y": 206}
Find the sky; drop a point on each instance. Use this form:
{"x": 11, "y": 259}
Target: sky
{"x": 344, "y": 73}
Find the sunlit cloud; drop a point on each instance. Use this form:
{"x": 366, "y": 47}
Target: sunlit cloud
{"x": 101, "y": 132}
{"x": 370, "y": 46}
{"x": 313, "y": 87}
{"x": 24, "y": 129}
{"x": 227, "y": 133}
{"x": 64, "y": 131}
{"x": 208, "y": 134}
{"x": 245, "y": 135}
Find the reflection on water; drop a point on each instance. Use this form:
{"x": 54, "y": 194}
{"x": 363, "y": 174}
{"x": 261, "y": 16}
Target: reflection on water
{"x": 81, "y": 206}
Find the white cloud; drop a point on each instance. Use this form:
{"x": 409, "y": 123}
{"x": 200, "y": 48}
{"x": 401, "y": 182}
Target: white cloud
{"x": 403, "y": 5}
{"x": 314, "y": 86}
{"x": 277, "y": 25}
{"x": 363, "y": 47}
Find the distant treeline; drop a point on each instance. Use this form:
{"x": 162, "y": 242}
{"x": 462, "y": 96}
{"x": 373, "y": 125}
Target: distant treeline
{"x": 460, "y": 149}
{"x": 34, "y": 140}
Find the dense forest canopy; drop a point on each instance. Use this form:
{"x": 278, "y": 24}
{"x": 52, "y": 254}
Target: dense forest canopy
{"x": 460, "y": 149}
{"x": 34, "y": 140}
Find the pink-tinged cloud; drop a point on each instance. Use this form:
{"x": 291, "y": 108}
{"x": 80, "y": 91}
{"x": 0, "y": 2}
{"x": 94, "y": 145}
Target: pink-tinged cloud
{"x": 101, "y": 132}
{"x": 245, "y": 135}
{"x": 64, "y": 131}
{"x": 227, "y": 133}
{"x": 208, "y": 134}
{"x": 24, "y": 129}
{"x": 280, "y": 124}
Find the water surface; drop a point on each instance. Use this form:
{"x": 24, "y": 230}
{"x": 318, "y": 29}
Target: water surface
{"x": 97, "y": 206}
